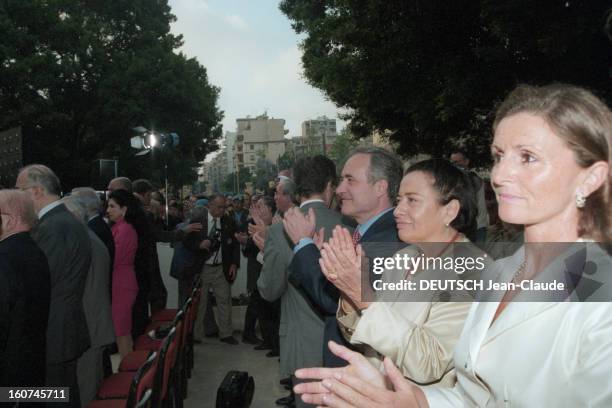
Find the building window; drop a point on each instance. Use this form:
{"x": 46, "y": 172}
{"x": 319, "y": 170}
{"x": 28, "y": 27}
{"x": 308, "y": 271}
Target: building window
{"x": 252, "y": 157}
{"x": 252, "y": 147}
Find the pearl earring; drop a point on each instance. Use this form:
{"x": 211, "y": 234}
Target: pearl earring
{"x": 580, "y": 200}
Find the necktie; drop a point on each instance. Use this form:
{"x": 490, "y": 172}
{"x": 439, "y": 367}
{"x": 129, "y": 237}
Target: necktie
{"x": 213, "y": 228}
{"x": 356, "y": 237}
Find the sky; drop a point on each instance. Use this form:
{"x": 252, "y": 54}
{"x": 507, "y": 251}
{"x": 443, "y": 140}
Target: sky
{"x": 252, "y": 53}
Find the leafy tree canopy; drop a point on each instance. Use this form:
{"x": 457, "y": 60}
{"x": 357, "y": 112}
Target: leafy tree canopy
{"x": 78, "y": 75}
{"x": 431, "y": 72}
{"x": 232, "y": 180}
{"x": 344, "y": 143}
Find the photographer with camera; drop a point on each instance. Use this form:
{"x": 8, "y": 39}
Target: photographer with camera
{"x": 221, "y": 252}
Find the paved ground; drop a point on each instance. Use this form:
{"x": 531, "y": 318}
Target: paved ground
{"x": 214, "y": 359}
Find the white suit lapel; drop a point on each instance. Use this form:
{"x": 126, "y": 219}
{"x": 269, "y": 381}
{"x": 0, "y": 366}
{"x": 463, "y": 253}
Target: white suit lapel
{"x": 501, "y": 271}
{"x": 524, "y": 307}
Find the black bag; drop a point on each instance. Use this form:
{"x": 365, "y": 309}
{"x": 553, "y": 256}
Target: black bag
{"x": 236, "y": 390}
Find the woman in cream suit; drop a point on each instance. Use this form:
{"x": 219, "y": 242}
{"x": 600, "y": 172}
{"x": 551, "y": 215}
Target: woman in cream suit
{"x": 436, "y": 207}
{"x": 552, "y": 173}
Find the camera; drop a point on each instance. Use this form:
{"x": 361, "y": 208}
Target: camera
{"x": 215, "y": 241}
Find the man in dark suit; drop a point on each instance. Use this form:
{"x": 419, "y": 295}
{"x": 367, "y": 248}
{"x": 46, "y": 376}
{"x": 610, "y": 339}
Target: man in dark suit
{"x": 158, "y": 294}
{"x": 369, "y": 186}
{"x": 65, "y": 242}
{"x": 259, "y": 309}
{"x": 25, "y": 290}
{"x": 222, "y": 253}
{"x": 188, "y": 258}
{"x": 88, "y": 197}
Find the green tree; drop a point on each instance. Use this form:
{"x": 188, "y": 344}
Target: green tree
{"x": 78, "y": 75}
{"x": 430, "y": 72}
{"x": 286, "y": 161}
{"x": 229, "y": 184}
{"x": 265, "y": 171}
{"x": 342, "y": 146}
{"x": 244, "y": 176}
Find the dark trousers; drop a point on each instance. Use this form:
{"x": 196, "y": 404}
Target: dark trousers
{"x": 269, "y": 319}
{"x": 210, "y": 324}
{"x": 185, "y": 287}
{"x": 158, "y": 294}
{"x": 251, "y": 316}
{"x": 140, "y": 314}
{"x": 106, "y": 361}
{"x": 65, "y": 375}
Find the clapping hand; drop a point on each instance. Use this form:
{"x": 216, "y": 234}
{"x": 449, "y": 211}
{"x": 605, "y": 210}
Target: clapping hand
{"x": 299, "y": 225}
{"x": 260, "y": 229}
{"x": 261, "y": 214}
{"x": 341, "y": 264}
{"x": 358, "y": 365}
{"x": 259, "y": 240}
{"x": 358, "y": 385}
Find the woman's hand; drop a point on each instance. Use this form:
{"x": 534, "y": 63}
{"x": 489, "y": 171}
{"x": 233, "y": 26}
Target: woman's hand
{"x": 347, "y": 390}
{"x": 358, "y": 366}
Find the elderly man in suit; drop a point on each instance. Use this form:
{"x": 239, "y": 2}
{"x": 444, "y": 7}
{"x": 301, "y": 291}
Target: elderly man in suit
{"x": 222, "y": 253}
{"x": 301, "y": 322}
{"x": 25, "y": 291}
{"x": 120, "y": 183}
{"x": 93, "y": 206}
{"x": 65, "y": 242}
{"x": 97, "y": 304}
{"x": 370, "y": 181}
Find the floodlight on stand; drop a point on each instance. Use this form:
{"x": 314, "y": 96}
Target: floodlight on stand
{"x": 150, "y": 140}
{"x": 142, "y": 152}
{"x": 137, "y": 142}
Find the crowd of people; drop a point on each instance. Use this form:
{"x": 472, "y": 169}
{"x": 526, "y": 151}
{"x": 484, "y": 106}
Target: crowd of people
{"x": 551, "y": 174}
{"x": 79, "y": 274}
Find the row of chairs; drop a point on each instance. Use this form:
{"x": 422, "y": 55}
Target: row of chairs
{"x": 156, "y": 373}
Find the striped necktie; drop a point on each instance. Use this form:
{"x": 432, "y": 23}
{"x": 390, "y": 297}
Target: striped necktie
{"x": 356, "y": 237}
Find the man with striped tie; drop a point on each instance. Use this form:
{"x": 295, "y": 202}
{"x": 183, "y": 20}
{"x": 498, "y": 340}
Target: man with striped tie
{"x": 367, "y": 191}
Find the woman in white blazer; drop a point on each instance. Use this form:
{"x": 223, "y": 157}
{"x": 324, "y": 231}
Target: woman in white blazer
{"x": 552, "y": 153}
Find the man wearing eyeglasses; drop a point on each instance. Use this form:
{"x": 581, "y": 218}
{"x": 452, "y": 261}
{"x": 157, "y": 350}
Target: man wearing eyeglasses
{"x": 222, "y": 253}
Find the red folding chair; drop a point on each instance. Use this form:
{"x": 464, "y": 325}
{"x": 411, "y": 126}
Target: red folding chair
{"x": 145, "y": 401}
{"x": 141, "y": 381}
{"x": 117, "y": 385}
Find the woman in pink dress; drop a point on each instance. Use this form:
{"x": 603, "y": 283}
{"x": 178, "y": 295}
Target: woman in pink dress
{"x": 121, "y": 210}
